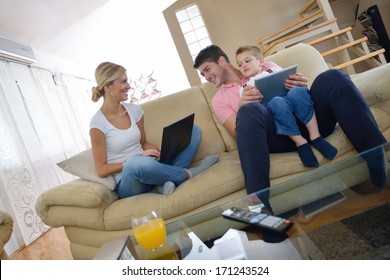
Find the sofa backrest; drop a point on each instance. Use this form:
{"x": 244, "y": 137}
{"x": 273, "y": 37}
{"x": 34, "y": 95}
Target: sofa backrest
{"x": 170, "y": 108}
{"x": 309, "y": 60}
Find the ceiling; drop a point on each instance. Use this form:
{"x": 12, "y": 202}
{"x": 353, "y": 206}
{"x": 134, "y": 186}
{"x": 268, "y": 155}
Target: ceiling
{"x": 35, "y": 21}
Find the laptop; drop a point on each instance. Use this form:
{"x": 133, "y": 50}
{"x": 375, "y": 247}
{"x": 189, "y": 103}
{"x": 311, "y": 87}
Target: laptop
{"x": 273, "y": 84}
{"x": 176, "y": 138}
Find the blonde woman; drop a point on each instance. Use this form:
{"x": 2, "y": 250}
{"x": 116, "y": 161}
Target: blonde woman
{"x": 120, "y": 147}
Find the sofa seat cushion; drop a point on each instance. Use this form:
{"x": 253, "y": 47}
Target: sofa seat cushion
{"x": 381, "y": 117}
{"x": 301, "y": 191}
{"x": 220, "y": 180}
{"x": 285, "y": 164}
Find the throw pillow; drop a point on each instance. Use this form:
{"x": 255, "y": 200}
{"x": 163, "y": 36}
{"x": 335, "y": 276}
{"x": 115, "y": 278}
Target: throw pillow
{"x": 82, "y": 165}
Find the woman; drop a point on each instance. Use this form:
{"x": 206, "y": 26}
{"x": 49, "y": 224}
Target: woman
{"x": 120, "y": 147}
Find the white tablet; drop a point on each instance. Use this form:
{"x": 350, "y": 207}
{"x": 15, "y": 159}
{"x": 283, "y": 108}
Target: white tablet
{"x": 273, "y": 84}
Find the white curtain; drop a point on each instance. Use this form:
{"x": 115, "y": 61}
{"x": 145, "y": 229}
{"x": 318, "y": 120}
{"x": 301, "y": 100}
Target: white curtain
{"x": 41, "y": 123}
{"x": 44, "y": 119}
{"x": 79, "y": 93}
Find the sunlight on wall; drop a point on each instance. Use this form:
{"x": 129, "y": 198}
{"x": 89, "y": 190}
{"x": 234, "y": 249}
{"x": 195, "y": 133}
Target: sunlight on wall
{"x": 131, "y": 33}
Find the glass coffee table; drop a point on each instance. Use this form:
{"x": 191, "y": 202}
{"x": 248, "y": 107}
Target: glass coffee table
{"x": 336, "y": 210}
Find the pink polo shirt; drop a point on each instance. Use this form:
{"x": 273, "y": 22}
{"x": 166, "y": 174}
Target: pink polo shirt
{"x": 225, "y": 101}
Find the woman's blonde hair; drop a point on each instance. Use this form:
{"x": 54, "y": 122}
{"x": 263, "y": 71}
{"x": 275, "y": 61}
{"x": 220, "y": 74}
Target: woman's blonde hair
{"x": 105, "y": 74}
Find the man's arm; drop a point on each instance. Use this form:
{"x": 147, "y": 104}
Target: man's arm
{"x": 230, "y": 125}
{"x": 296, "y": 80}
{"x": 250, "y": 94}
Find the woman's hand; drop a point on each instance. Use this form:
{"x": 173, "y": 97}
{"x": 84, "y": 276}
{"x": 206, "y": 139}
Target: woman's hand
{"x": 250, "y": 94}
{"x": 295, "y": 80}
{"x": 152, "y": 152}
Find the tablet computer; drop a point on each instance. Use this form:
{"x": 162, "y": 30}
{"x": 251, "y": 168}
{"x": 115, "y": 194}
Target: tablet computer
{"x": 273, "y": 84}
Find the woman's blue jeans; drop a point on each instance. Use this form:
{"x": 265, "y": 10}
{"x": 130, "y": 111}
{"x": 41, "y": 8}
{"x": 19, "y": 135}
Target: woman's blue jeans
{"x": 140, "y": 173}
{"x": 296, "y": 104}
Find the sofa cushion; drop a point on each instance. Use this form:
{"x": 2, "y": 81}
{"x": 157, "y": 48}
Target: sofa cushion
{"x": 82, "y": 165}
{"x": 218, "y": 181}
{"x": 377, "y": 92}
{"x": 176, "y": 106}
{"x": 298, "y": 54}
{"x": 285, "y": 164}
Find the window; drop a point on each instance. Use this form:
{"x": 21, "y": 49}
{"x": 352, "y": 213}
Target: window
{"x": 194, "y": 30}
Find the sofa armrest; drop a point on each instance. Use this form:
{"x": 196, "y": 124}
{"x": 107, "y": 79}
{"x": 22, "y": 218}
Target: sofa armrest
{"x": 374, "y": 84}
{"x": 77, "y": 203}
{"x": 6, "y": 225}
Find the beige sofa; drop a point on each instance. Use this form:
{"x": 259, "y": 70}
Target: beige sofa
{"x": 6, "y": 226}
{"x": 91, "y": 213}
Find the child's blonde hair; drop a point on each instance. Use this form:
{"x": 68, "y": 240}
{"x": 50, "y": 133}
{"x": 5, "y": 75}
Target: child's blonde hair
{"x": 255, "y": 51}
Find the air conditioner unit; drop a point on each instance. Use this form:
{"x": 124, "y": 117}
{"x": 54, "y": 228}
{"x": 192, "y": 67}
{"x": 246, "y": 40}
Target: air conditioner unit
{"x": 16, "y": 51}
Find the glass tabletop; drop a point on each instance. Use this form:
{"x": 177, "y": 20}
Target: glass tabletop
{"x": 333, "y": 201}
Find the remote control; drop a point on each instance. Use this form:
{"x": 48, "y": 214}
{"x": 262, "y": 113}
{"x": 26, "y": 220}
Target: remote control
{"x": 261, "y": 220}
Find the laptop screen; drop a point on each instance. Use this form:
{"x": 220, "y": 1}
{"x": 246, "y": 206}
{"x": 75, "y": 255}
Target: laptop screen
{"x": 176, "y": 138}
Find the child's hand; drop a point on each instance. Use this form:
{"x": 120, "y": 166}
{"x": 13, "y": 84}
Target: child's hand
{"x": 250, "y": 94}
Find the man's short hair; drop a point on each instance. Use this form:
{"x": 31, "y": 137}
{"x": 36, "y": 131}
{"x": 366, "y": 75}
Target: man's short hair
{"x": 210, "y": 53}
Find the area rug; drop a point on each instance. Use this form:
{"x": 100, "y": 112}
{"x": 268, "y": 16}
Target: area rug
{"x": 364, "y": 236}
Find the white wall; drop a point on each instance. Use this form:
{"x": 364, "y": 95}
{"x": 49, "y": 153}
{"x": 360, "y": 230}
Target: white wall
{"x": 137, "y": 38}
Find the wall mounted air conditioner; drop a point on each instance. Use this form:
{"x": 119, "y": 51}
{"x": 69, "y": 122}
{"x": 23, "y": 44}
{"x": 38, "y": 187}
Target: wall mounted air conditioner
{"x": 15, "y": 51}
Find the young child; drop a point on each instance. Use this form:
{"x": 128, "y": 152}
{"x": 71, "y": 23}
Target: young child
{"x": 297, "y": 104}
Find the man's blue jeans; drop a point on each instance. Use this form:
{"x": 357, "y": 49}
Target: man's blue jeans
{"x": 296, "y": 104}
{"x": 140, "y": 173}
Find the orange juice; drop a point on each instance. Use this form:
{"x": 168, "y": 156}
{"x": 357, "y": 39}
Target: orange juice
{"x": 151, "y": 235}
{"x": 165, "y": 252}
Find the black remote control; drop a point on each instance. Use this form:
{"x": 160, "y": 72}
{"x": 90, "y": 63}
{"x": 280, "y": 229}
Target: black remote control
{"x": 261, "y": 220}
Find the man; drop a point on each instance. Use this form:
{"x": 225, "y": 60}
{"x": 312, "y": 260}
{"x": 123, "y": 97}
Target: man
{"x": 334, "y": 96}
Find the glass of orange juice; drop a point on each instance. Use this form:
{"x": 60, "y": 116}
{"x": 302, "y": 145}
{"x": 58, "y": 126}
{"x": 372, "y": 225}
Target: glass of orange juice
{"x": 149, "y": 230}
